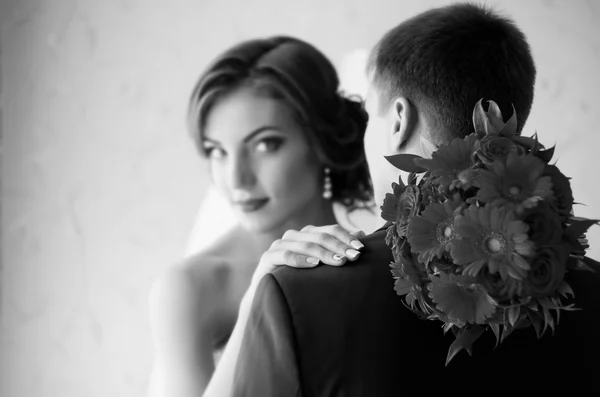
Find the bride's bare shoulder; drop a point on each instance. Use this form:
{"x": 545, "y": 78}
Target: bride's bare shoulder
{"x": 231, "y": 249}
{"x": 204, "y": 276}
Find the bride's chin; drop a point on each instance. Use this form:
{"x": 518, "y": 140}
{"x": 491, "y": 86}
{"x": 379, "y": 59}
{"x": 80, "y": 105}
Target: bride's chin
{"x": 258, "y": 223}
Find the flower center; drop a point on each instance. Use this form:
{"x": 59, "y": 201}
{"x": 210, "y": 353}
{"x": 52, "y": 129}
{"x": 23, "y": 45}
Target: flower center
{"x": 471, "y": 287}
{"x": 466, "y": 177}
{"x": 540, "y": 271}
{"x": 514, "y": 190}
{"x": 445, "y": 231}
{"x": 495, "y": 244}
{"x": 448, "y": 231}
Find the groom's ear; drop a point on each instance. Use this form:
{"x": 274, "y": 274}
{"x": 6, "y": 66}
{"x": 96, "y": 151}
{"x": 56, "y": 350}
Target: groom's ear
{"x": 404, "y": 121}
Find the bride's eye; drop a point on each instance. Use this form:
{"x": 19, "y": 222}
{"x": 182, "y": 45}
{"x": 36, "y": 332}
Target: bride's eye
{"x": 213, "y": 152}
{"x": 269, "y": 145}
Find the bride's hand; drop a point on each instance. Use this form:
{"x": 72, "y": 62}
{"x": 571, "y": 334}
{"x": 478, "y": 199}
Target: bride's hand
{"x": 331, "y": 245}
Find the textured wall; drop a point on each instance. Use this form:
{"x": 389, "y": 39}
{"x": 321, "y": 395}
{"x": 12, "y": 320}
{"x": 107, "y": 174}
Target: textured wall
{"x": 101, "y": 186}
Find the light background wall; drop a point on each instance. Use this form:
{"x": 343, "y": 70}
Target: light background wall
{"x": 101, "y": 185}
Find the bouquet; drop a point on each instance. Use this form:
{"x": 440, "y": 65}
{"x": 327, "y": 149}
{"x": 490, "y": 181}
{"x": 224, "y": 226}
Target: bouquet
{"x": 484, "y": 234}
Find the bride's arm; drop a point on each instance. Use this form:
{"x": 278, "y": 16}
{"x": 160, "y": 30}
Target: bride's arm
{"x": 222, "y": 380}
{"x": 182, "y": 309}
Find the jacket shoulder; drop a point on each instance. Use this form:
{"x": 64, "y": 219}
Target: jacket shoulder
{"x": 372, "y": 267}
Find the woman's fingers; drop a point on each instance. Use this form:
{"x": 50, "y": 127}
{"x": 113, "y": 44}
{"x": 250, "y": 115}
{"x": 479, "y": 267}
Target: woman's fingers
{"x": 274, "y": 257}
{"x": 331, "y": 245}
{"x": 346, "y": 237}
{"x": 336, "y": 249}
{"x": 302, "y": 251}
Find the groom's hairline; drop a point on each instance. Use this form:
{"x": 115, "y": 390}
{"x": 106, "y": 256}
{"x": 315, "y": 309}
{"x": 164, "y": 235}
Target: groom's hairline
{"x": 375, "y": 79}
{"x": 385, "y": 76}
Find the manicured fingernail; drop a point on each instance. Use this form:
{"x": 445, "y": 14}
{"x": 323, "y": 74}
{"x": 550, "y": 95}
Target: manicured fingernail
{"x": 313, "y": 261}
{"x": 352, "y": 254}
{"x": 356, "y": 244}
{"x": 338, "y": 258}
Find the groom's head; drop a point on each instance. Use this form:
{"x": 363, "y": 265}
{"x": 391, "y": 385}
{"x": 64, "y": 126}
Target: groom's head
{"x": 427, "y": 74}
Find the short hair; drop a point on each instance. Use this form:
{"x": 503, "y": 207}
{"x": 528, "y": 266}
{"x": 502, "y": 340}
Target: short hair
{"x": 446, "y": 59}
{"x": 295, "y": 72}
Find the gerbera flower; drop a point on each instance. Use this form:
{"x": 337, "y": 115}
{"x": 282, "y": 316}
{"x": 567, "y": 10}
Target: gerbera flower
{"x": 452, "y": 164}
{"x": 408, "y": 275}
{"x": 519, "y": 182}
{"x": 460, "y": 299}
{"x": 389, "y": 207}
{"x": 492, "y": 237}
{"x": 401, "y": 205}
{"x": 431, "y": 233}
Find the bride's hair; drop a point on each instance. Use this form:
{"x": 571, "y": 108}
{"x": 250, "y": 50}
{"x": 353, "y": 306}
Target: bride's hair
{"x": 295, "y": 72}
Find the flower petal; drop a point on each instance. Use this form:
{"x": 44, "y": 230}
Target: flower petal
{"x": 461, "y": 302}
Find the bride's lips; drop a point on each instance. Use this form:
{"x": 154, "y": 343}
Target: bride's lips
{"x": 251, "y": 205}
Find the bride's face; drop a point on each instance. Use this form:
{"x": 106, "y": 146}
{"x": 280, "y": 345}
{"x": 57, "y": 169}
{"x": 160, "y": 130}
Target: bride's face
{"x": 260, "y": 160}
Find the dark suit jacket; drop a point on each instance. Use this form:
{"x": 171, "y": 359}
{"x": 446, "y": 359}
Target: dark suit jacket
{"x": 343, "y": 331}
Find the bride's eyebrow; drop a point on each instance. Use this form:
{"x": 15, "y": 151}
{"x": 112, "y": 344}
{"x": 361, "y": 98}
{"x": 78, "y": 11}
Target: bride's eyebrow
{"x": 208, "y": 141}
{"x": 257, "y": 131}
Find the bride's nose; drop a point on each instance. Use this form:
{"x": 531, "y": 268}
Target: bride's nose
{"x": 241, "y": 173}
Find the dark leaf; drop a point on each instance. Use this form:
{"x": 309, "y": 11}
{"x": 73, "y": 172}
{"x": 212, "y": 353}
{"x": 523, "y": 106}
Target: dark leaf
{"x": 591, "y": 263}
{"x": 447, "y": 327}
{"x": 573, "y": 218}
{"x": 494, "y": 111}
{"x": 573, "y": 263}
{"x": 412, "y": 179}
{"x": 510, "y": 128}
{"x": 546, "y": 155}
{"x": 526, "y": 142}
{"x": 577, "y": 247}
{"x": 549, "y": 320}
{"x": 578, "y": 227}
{"x": 494, "y": 116}
{"x": 581, "y": 265}
{"x": 513, "y": 314}
{"x": 536, "y": 320}
{"x": 506, "y": 331}
{"x": 480, "y": 121}
{"x": 457, "y": 331}
{"x": 565, "y": 290}
{"x": 571, "y": 308}
{"x": 464, "y": 340}
{"x": 405, "y": 162}
{"x": 536, "y": 145}
{"x": 545, "y": 302}
{"x": 496, "y": 329}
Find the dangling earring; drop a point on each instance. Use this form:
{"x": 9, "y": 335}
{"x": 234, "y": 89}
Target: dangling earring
{"x": 327, "y": 184}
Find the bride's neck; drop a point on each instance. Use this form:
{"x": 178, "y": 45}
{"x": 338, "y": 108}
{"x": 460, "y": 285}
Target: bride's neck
{"x": 321, "y": 214}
